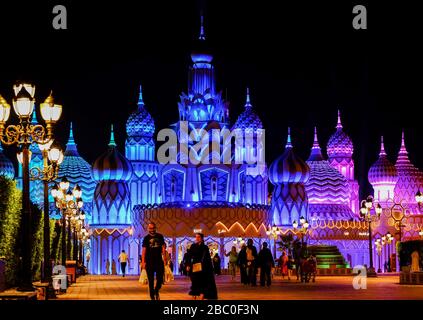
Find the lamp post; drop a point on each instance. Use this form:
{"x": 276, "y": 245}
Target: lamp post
{"x": 23, "y": 135}
{"x": 52, "y": 158}
{"x": 273, "y": 232}
{"x": 379, "y": 243}
{"x": 302, "y": 228}
{"x": 369, "y": 215}
{"x": 68, "y": 203}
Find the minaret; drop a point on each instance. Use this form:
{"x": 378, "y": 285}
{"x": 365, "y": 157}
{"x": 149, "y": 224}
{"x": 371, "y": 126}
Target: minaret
{"x": 201, "y": 77}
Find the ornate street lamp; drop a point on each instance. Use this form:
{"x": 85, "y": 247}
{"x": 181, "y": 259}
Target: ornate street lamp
{"x": 388, "y": 237}
{"x": 369, "y": 215}
{"x": 23, "y": 135}
{"x": 273, "y": 232}
{"x": 302, "y": 228}
{"x": 69, "y": 203}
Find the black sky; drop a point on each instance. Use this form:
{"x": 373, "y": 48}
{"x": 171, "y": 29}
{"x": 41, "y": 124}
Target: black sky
{"x": 302, "y": 62}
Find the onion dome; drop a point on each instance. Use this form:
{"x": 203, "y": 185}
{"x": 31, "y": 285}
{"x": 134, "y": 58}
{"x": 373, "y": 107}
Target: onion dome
{"x": 77, "y": 170}
{"x": 248, "y": 119}
{"x": 326, "y": 184}
{"x": 382, "y": 171}
{"x": 288, "y": 168}
{"x": 140, "y": 123}
{"x": 6, "y": 166}
{"x": 112, "y": 165}
{"x": 339, "y": 144}
{"x": 410, "y": 178}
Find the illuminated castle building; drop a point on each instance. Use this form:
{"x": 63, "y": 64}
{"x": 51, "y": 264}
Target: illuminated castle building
{"x": 226, "y": 200}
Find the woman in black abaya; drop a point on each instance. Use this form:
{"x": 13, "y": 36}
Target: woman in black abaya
{"x": 200, "y": 268}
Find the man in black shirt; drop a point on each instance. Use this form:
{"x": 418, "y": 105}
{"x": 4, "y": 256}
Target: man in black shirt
{"x": 153, "y": 253}
{"x": 266, "y": 262}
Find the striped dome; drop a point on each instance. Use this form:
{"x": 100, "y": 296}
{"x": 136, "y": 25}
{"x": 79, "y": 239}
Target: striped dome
{"x": 77, "y": 170}
{"x": 340, "y": 144}
{"x": 6, "y": 166}
{"x": 382, "y": 171}
{"x": 248, "y": 119}
{"x": 112, "y": 165}
{"x": 288, "y": 168}
{"x": 140, "y": 123}
{"x": 326, "y": 184}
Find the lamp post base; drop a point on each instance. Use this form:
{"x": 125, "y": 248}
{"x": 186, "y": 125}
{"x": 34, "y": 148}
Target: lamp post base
{"x": 371, "y": 273}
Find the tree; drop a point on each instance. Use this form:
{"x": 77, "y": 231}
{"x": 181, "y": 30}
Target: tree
{"x": 10, "y": 218}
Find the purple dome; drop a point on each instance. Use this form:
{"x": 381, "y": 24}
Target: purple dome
{"x": 288, "y": 168}
{"x": 248, "y": 119}
{"x": 339, "y": 144}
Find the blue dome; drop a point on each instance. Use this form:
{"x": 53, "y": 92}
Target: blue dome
{"x": 6, "y": 166}
{"x": 77, "y": 170}
{"x": 140, "y": 123}
{"x": 248, "y": 119}
{"x": 112, "y": 165}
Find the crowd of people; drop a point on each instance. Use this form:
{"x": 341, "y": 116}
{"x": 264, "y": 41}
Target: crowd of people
{"x": 202, "y": 266}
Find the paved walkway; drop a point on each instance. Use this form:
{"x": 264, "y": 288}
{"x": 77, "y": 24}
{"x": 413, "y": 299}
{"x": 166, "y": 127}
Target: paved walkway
{"x": 326, "y": 288}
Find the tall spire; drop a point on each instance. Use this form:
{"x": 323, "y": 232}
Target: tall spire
{"x": 71, "y": 141}
{"x": 382, "y": 147}
{"x": 202, "y": 33}
{"x": 339, "y": 124}
{"x": 140, "y": 99}
{"x": 316, "y": 141}
{"x": 316, "y": 152}
{"x": 112, "y": 142}
{"x": 403, "y": 149}
{"x": 288, "y": 139}
{"x": 247, "y": 100}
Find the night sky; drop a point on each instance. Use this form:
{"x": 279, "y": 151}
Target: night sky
{"x": 301, "y": 61}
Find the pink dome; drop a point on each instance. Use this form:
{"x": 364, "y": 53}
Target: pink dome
{"x": 382, "y": 171}
{"x": 339, "y": 144}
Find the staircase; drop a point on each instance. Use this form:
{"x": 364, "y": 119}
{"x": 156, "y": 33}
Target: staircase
{"x": 329, "y": 260}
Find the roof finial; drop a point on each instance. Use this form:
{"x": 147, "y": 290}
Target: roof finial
{"x": 112, "y": 142}
{"x": 316, "y": 141}
{"x": 71, "y": 140}
{"x": 248, "y": 101}
{"x": 382, "y": 147}
{"x": 339, "y": 124}
{"x": 202, "y": 33}
{"x": 288, "y": 139}
{"x": 140, "y": 99}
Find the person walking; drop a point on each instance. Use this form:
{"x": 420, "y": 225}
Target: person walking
{"x": 200, "y": 268}
{"x": 266, "y": 262}
{"x": 233, "y": 258}
{"x": 216, "y": 264}
{"x": 153, "y": 259}
{"x": 284, "y": 265}
{"x": 252, "y": 256}
{"x": 242, "y": 263}
{"x": 123, "y": 259}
